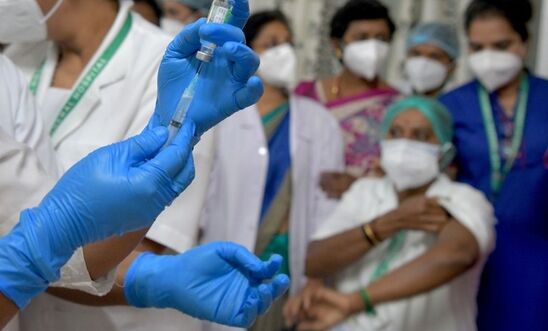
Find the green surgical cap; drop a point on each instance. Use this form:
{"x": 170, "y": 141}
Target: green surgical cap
{"x": 201, "y": 5}
{"x": 433, "y": 110}
{"x": 439, "y": 34}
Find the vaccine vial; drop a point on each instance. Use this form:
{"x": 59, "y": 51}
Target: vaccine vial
{"x": 219, "y": 13}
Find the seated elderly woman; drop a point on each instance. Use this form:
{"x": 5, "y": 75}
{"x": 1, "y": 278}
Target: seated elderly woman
{"x": 405, "y": 251}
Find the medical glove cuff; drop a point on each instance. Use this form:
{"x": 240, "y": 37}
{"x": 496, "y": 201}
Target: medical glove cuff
{"x": 28, "y": 259}
{"x": 135, "y": 289}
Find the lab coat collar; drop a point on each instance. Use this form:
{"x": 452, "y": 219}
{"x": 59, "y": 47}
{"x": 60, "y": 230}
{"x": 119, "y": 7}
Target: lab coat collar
{"x": 115, "y": 71}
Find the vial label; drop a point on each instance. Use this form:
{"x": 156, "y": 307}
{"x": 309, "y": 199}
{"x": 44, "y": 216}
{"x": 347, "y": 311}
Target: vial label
{"x": 219, "y": 15}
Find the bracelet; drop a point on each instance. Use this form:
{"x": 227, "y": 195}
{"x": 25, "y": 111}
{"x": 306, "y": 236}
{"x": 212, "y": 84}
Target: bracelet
{"x": 369, "y": 308}
{"x": 370, "y": 234}
{"x": 366, "y": 237}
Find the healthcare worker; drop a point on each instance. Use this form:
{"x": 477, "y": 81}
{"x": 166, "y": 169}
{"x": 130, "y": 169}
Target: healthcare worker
{"x": 229, "y": 73}
{"x": 405, "y": 251}
{"x": 500, "y": 135}
{"x": 361, "y": 32}
{"x": 432, "y": 55}
{"x": 122, "y": 188}
{"x": 266, "y": 196}
{"x": 94, "y": 103}
{"x": 179, "y": 13}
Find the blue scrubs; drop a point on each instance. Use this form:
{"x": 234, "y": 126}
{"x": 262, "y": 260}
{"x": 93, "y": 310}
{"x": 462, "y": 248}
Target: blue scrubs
{"x": 514, "y": 289}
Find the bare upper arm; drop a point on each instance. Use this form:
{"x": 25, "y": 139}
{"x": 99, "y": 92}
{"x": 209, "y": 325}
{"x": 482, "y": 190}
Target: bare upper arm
{"x": 458, "y": 241}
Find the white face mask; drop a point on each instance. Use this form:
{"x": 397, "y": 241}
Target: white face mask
{"x": 171, "y": 26}
{"x": 425, "y": 75}
{"x": 495, "y": 69}
{"x": 410, "y": 164}
{"x": 23, "y": 21}
{"x": 279, "y": 66}
{"x": 366, "y": 58}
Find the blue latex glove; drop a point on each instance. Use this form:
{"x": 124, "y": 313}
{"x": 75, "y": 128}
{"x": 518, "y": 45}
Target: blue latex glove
{"x": 114, "y": 190}
{"x": 226, "y": 84}
{"x": 218, "y": 282}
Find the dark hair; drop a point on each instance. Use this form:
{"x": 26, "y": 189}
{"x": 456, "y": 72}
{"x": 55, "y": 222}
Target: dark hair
{"x": 153, "y": 5}
{"x": 356, "y": 10}
{"x": 257, "y": 21}
{"x": 517, "y": 12}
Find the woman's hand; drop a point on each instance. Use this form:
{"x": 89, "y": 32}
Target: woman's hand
{"x": 414, "y": 213}
{"x": 328, "y": 309}
{"x": 334, "y": 184}
{"x": 296, "y": 306}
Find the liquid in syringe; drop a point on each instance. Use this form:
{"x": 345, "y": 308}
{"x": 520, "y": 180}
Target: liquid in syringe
{"x": 219, "y": 13}
{"x": 182, "y": 108}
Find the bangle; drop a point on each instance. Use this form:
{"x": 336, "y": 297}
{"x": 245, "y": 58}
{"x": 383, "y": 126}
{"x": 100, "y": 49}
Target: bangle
{"x": 366, "y": 237}
{"x": 369, "y": 308}
{"x": 370, "y": 234}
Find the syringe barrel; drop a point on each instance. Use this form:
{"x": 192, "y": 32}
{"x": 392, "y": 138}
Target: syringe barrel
{"x": 219, "y": 13}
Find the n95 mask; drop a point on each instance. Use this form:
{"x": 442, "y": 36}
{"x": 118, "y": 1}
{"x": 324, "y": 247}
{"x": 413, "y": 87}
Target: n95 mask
{"x": 23, "y": 21}
{"x": 410, "y": 164}
{"x": 366, "y": 58}
{"x": 279, "y": 66}
{"x": 495, "y": 69}
{"x": 425, "y": 75}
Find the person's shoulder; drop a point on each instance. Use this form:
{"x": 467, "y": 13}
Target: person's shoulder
{"x": 538, "y": 82}
{"x": 463, "y": 89}
{"x": 375, "y": 186}
{"x": 464, "y": 192}
{"x": 151, "y": 35}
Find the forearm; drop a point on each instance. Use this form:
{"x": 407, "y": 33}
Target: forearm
{"x": 446, "y": 260}
{"x": 106, "y": 255}
{"x": 116, "y": 296}
{"x": 329, "y": 256}
{"x": 7, "y": 311}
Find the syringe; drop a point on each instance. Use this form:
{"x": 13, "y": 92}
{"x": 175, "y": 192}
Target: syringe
{"x": 219, "y": 13}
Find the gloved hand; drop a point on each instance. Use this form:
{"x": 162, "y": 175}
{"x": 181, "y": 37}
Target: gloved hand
{"x": 218, "y": 282}
{"x": 114, "y": 190}
{"x": 226, "y": 84}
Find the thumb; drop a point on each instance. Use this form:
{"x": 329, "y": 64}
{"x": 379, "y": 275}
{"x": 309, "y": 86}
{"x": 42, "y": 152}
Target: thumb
{"x": 249, "y": 94}
{"x": 146, "y": 145}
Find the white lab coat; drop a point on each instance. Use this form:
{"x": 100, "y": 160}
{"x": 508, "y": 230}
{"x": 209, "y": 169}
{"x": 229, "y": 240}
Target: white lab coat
{"x": 117, "y": 105}
{"x": 450, "y": 307}
{"x": 239, "y": 173}
{"x": 28, "y": 170}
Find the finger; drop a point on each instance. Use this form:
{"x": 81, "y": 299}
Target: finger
{"x": 185, "y": 177}
{"x": 187, "y": 42}
{"x": 249, "y": 94}
{"x": 243, "y": 260}
{"x": 146, "y": 145}
{"x": 311, "y": 325}
{"x": 291, "y": 310}
{"x": 249, "y": 311}
{"x": 280, "y": 285}
{"x": 240, "y": 13}
{"x": 265, "y": 299}
{"x": 243, "y": 60}
{"x": 433, "y": 219}
{"x": 219, "y": 34}
{"x": 173, "y": 159}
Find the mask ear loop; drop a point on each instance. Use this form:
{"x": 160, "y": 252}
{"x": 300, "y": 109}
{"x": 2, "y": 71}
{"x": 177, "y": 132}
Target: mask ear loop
{"x": 51, "y": 12}
{"x": 447, "y": 154}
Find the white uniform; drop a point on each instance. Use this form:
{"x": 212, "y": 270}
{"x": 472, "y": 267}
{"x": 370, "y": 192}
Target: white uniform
{"x": 117, "y": 105}
{"x": 451, "y": 307}
{"x": 237, "y": 182}
{"x": 28, "y": 170}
